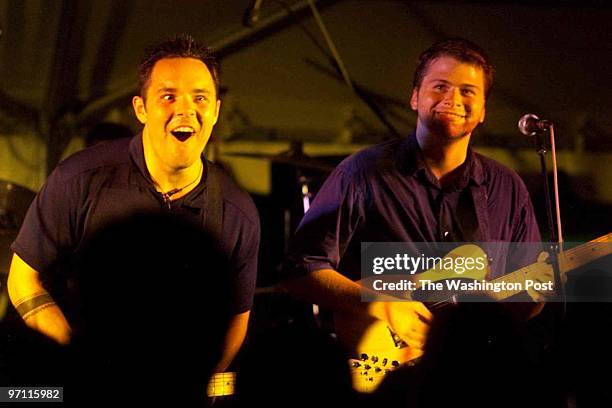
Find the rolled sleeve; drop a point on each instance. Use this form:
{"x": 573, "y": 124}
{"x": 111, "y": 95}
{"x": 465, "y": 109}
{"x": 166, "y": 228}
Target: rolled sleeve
{"x": 327, "y": 227}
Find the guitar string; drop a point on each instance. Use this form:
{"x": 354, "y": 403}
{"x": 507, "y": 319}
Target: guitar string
{"x": 574, "y": 257}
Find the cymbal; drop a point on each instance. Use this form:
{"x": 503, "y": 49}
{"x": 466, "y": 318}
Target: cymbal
{"x": 295, "y": 160}
{"x": 14, "y": 203}
{"x": 6, "y": 239}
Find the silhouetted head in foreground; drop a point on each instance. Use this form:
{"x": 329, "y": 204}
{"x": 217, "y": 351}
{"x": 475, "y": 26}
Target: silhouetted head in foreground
{"x": 155, "y": 309}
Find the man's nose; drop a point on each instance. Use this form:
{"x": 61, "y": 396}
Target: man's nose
{"x": 185, "y": 106}
{"x": 453, "y": 97}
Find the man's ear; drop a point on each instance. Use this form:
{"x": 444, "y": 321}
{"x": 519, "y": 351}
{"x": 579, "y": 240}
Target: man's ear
{"x": 217, "y": 110}
{"x": 139, "y": 109}
{"x": 482, "y": 115}
{"x": 414, "y": 99}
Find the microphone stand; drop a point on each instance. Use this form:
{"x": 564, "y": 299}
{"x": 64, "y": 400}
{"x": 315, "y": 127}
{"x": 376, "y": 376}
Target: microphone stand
{"x": 556, "y": 235}
{"x": 555, "y": 245}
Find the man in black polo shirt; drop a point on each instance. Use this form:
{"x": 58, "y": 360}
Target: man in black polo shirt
{"x": 427, "y": 187}
{"x": 160, "y": 170}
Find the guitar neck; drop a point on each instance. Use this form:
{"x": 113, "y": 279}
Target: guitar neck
{"x": 568, "y": 260}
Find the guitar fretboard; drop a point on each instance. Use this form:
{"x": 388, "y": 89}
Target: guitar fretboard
{"x": 221, "y": 384}
{"x": 568, "y": 260}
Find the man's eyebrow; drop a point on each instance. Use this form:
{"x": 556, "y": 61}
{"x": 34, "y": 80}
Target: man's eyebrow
{"x": 165, "y": 89}
{"x": 444, "y": 81}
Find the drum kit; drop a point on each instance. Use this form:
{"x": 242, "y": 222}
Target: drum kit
{"x": 14, "y": 203}
{"x": 294, "y": 160}
{"x": 306, "y": 169}
{"x": 294, "y": 157}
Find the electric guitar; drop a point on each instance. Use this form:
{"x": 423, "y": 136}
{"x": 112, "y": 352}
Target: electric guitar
{"x": 378, "y": 350}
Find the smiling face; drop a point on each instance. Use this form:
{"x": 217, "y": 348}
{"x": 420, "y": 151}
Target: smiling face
{"x": 450, "y": 102}
{"x": 178, "y": 113}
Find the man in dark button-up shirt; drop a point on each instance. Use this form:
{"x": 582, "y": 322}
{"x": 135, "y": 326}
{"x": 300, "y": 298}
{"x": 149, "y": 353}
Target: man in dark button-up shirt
{"x": 428, "y": 187}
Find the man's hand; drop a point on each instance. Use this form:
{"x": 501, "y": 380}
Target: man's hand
{"x": 409, "y": 320}
{"x": 543, "y": 288}
{"x": 329, "y": 289}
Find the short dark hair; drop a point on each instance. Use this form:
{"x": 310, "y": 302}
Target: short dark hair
{"x": 462, "y": 50}
{"x": 180, "y": 46}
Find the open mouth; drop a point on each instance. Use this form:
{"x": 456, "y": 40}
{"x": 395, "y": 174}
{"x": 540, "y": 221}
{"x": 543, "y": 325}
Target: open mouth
{"x": 183, "y": 133}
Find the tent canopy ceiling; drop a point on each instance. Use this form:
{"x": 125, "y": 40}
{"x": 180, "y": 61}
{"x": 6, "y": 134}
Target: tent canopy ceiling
{"x": 73, "y": 57}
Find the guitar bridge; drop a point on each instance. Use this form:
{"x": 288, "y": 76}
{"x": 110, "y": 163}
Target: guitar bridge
{"x": 397, "y": 340}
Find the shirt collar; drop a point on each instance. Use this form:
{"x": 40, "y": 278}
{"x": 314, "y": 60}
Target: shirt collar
{"x": 136, "y": 150}
{"x": 137, "y": 157}
{"x": 415, "y": 164}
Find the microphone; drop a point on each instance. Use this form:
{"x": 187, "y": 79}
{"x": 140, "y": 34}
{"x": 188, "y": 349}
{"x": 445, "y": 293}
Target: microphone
{"x": 530, "y": 125}
{"x": 251, "y": 14}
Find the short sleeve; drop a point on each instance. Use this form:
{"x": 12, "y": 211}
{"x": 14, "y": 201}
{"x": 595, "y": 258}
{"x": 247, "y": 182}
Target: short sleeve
{"x": 244, "y": 264}
{"x": 525, "y": 230}
{"x": 46, "y": 229}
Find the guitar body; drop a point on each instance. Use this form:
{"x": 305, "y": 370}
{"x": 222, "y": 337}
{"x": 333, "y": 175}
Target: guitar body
{"x": 372, "y": 337}
{"x": 376, "y": 349}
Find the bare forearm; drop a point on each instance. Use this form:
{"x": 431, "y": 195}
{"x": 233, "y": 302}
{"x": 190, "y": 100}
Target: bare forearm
{"x": 336, "y": 292}
{"x": 34, "y": 304}
{"x": 328, "y": 288}
{"x": 233, "y": 340}
{"x": 49, "y": 320}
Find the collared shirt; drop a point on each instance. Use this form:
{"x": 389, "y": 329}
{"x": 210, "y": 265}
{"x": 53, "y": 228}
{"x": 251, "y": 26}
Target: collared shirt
{"x": 386, "y": 193}
{"x": 109, "y": 182}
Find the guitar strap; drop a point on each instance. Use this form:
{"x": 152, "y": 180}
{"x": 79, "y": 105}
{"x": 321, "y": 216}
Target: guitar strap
{"x": 493, "y": 250}
{"x": 213, "y": 216}
{"x": 481, "y": 199}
